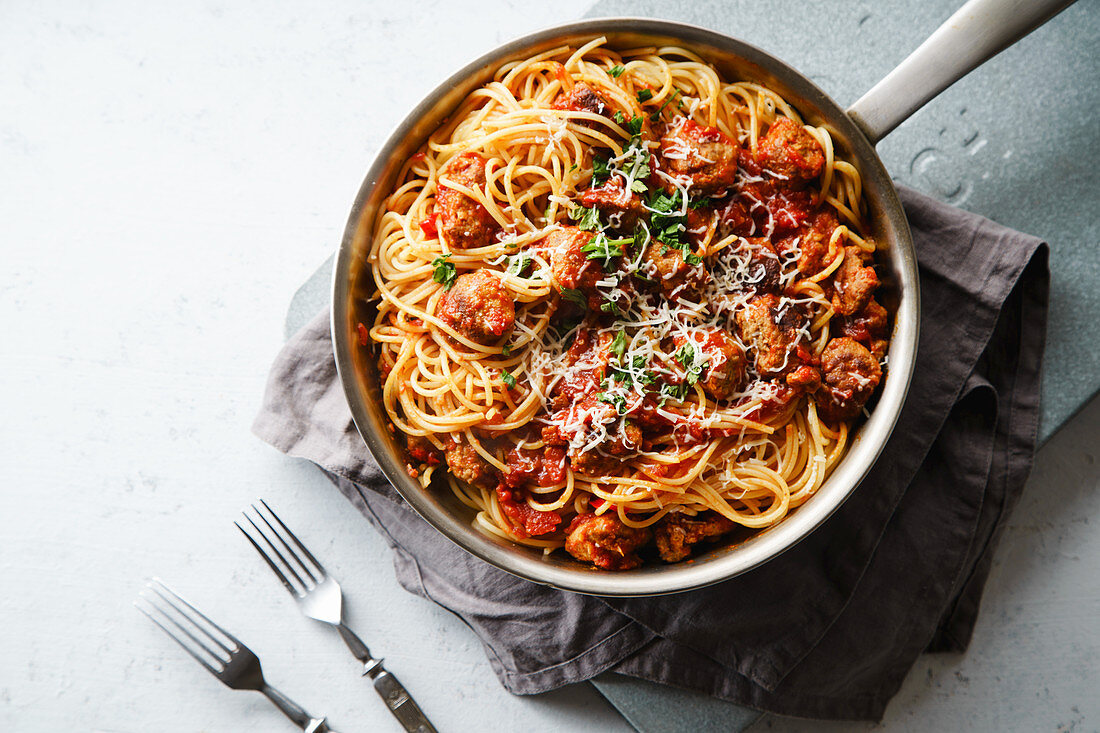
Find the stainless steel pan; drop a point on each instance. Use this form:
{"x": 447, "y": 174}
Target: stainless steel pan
{"x": 975, "y": 33}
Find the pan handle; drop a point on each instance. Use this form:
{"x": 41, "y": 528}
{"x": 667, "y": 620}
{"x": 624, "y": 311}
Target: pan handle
{"x": 976, "y": 32}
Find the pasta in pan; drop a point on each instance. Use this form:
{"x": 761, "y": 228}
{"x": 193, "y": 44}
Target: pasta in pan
{"x": 625, "y": 306}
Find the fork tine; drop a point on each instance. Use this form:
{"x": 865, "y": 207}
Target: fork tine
{"x": 293, "y": 567}
{"x": 290, "y": 534}
{"x": 172, "y": 597}
{"x": 172, "y": 635}
{"x": 315, "y": 577}
{"x": 271, "y": 564}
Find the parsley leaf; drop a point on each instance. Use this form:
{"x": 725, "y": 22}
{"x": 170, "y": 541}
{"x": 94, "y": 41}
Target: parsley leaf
{"x": 506, "y": 350}
{"x": 602, "y": 248}
{"x": 508, "y": 379}
{"x": 686, "y": 355}
{"x": 600, "y": 171}
{"x": 618, "y": 117}
{"x": 673, "y": 391}
{"x": 587, "y": 219}
{"x": 616, "y": 71}
{"x": 644, "y": 95}
{"x": 691, "y": 258}
{"x": 657, "y": 115}
{"x": 575, "y": 296}
{"x": 609, "y": 307}
{"x": 517, "y": 264}
{"x": 613, "y": 398}
{"x": 444, "y": 272}
{"x": 618, "y": 344}
{"x": 635, "y": 126}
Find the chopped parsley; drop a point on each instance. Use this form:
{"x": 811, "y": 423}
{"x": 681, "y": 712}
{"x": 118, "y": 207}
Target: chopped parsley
{"x": 444, "y": 272}
{"x": 616, "y": 71}
{"x": 602, "y": 248}
{"x": 600, "y": 171}
{"x": 518, "y": 264}
{"x": 508, "y": 379}
{"x": 635, "y": 126}
{"x": 689, "y": 357}
{"x": 506, "y": 350}
{"x": 644, "y": 95}
{"x": 618, "y": 117}
{"x": 668, "y": 223}
{"x": 613, "y": 398}
{"x": 674, "y": 391}
{"x": 618, "y": 344}
{"x": 574, "y": 296}
{"x": 587, "y": 219}
{"x": 657, "y": 115}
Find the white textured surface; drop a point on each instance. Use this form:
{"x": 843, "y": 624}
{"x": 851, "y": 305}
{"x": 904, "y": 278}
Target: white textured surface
{"x": 168, "y": 177}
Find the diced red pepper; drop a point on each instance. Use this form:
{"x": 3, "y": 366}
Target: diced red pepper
{"x": 430, "y": 226}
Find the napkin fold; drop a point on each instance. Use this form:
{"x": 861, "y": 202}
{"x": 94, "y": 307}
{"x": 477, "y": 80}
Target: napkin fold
{"x": 829, "y": 628}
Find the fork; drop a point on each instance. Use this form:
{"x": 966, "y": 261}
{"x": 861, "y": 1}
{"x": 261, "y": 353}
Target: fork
{"x": 226, "y": 658}
{"x": 320, "y": 598}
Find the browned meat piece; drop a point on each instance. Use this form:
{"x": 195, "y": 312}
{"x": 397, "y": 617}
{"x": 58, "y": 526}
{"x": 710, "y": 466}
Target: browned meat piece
{"x": 675, "y": 277}
{"x": 605, "y": 542}
{"x": 853, "y": 282}
{"x": 704, "y": 155}
{"x": 850, "y": 374}
{"x": 764, "y": 269}
{"x": 789, "y": 151}
{"x": 624, "y": 437}
{"x": 582, "y": 98}
{"x": 725, "y": 372}
{"x": 676, "y": 533}
{"x": 569, "y": 264}
{"x": 479, "y": 307}
{"x": 463, "y": 222}
{"x": 771, "y": 332}
{"x": 804, "y": 378}
{"x": 866, "y": 326}
{"x": 622, "y": 207}
{"x": 733, "y": 218}
{"x": 468, "y": 466}
{"x": 813, "y": 242}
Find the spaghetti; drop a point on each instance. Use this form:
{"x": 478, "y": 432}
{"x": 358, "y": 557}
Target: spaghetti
{"x": 625, "y": 306}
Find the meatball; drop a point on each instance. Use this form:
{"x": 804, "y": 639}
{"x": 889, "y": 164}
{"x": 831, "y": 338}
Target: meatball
{"x": 813, "y": 242}
{"x": 771, "y": 332}
{"x": 463, "y": 222}
{"x": 676, "y": 533}
{"x": 622, "y": 440}
{"x": 705, "y": 156}
{"x": 605, "y": 542}
{"x": 867, "y": 325}
{"x": 790, "y": 152}
{"x": 763, "y": 271}
{"x": 582, "y": 98}
{"x": 725, "y": 372}
{"x": 850, "y": 374}
{"x": 853, "y": 282}
{"x": 675, "y": 277}
{"x": 479, "y": 307}
{"x": 467, "y": 465}
{"x": 569, "y": 264}
{"x": 624, "y": 208}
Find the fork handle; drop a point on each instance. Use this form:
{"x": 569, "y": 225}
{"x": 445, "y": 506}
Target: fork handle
{"x": 389, "y": 688}
{"x": 398, "y": 700}
{"x": 292, "y": 710}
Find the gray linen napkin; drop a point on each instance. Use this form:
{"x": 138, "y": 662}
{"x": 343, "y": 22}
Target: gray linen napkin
{"x": 828, "y": 629}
